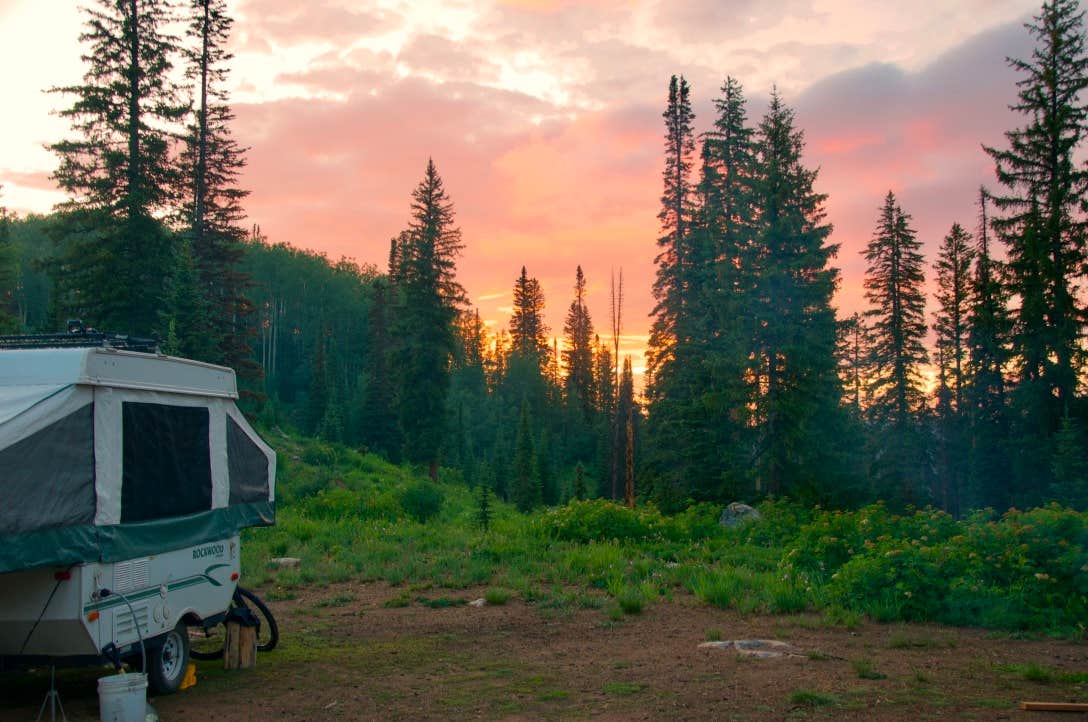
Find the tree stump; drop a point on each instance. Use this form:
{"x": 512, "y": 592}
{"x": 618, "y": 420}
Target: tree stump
{"x": 240, "y": 646}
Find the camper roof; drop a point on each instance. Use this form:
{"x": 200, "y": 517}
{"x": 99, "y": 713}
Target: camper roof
{"x": 114, "y": 368}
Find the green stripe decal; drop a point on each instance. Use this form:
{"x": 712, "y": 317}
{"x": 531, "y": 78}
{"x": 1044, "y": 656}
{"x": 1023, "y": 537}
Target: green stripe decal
{"x": 116, "y": 601}
{"x": 74, "y": 545}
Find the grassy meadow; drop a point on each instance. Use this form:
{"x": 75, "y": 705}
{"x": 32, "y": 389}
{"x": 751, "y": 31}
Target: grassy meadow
{"x": 352, "y": 516}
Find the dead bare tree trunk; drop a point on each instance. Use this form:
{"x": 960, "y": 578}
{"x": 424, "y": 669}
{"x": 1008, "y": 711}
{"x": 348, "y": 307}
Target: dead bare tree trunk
{"x": 616, "y": 298}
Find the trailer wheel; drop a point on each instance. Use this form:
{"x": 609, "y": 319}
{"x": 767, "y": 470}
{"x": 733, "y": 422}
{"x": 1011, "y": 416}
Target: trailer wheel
{"x": 167, "y": 660}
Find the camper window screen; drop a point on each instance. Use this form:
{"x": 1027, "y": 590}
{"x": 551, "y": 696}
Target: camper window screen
{"x": 167, "y": 462}
{"x": 48, "y": 477}
{"x": 248, "y": 466}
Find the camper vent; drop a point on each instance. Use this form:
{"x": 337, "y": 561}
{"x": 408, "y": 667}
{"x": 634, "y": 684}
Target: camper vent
{"x": 122, "y": 623}
{"x": 131, "y": 575}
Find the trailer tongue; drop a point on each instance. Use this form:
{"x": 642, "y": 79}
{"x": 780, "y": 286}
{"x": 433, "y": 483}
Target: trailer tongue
{"x": 126, "y": 479}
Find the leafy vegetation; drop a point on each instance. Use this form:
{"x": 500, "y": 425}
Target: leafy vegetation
{"x": 349, "y": 515}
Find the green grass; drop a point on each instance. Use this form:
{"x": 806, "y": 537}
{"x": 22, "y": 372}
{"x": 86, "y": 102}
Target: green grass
{"x": 864, "y": 669}
{"x": 354, "y": 517}
{"x": 336, "y": 600}
{"x": 1041, "y": 674}
{"x": 442, "y": 602}
{"x": 810, "y": 698}
{"x": 622, "y": 689}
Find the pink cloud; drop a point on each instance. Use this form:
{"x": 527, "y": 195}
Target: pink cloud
{"x": 283, "y": 22}
{"x": 36, "y": 180}
{"x": 584, "y": 189}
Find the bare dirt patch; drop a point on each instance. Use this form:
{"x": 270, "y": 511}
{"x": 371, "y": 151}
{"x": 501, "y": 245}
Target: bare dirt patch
{"x": 350, "y": 652}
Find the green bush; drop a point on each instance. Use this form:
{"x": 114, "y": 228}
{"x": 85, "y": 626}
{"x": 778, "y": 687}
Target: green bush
{"x": 422, "y": 501}
{"x": 1028, "y": 570}
{"x": 600, "y": 520}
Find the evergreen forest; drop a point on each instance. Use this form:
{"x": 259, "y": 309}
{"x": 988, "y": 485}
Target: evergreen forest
{"x": 756, "y": 388}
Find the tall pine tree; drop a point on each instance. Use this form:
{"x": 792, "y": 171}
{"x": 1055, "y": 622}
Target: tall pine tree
{"x": 117, "y": 169}
{"x": 950, "y": 322}
{"x": 671, "y": 332}
{"x": 578, "y": 352}
{"x": 795, "y": 394}
{"x": 1041, "y": 218}
{"x": 1041, "y": 221}
{"x": 988, "y": 329}
{"x": 211, "y": 161}
{"x": 427, "y": 300}
{"x": 897, "y": 354}
{"x": 528, "y": 333}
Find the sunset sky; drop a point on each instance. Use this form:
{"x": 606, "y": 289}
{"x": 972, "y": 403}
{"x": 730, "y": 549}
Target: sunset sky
{"x": 544, "y": 119}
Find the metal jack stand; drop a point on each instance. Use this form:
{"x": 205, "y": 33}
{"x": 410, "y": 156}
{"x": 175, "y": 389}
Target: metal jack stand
{"x": 52, "y": 698}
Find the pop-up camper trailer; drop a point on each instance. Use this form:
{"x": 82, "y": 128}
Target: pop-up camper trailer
{"x": 126, "y": 478}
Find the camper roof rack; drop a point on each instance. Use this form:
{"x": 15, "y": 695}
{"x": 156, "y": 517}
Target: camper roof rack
{"x": 79, "y": 336}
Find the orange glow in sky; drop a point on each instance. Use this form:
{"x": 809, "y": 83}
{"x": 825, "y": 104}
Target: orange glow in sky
{"x": 544, "y": 120}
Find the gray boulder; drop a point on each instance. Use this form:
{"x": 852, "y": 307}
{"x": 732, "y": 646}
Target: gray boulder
{"x": 736, "y": 514}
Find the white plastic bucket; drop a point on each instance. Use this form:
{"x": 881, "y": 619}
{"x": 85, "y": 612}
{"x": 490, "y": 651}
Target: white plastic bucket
{"x": 122, "y": 698}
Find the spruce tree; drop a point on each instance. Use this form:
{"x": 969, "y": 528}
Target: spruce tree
{"x": 526, "y": 366}
{"x": 528, "y": 333}
{"x": 950, "y": 322}
{"x": 697, "y": 435}
{"x": 677, "y": 208}
{"x": 989, "y": 326}
{"x": 609, "y": 438}
{"x": 897, "y": 354}
{"x": 852, "y": 348}
{"x": 117, "y": 169}
{"x": 579, "y": 491}
{"x": 953, "y": 269}
{"x": 674, "y": 340}
{"x": 795, "y": 392}
{"x": 1069, "y": 465}
{"x": 1041, "y": 218}
{"x": 728, "y": 212}
{"x": 427, "y": 299}
{"x": 545, "y": 472}
{"x": 211, "y": 161}
{"x": 185, "y": 313}
{"x": 526, "y": 490}
{"x": 484, "y": 512}
{"x": 578, "y": 352}
{"x": 378, "y": 428}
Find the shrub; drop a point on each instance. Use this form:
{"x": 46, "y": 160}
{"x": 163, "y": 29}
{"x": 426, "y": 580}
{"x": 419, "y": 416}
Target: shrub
{"x": 697, "y": 522}
{"x": 600, "y": 520}
{"x": 319, "y": 454}
{"x": 422, "y": 501}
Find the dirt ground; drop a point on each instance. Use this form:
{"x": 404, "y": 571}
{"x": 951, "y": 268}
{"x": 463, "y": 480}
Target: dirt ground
{"x": 345, "y": 654}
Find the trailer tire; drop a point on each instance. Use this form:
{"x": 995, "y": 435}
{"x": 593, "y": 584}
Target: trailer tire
{"x": 167, "y": 660}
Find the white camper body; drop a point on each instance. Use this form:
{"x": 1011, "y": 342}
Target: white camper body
{"x": 189, "y": 585}
{"x": 125, "y": 478}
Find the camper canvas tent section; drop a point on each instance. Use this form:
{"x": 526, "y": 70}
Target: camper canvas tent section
{"x": 108, "y": 455}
